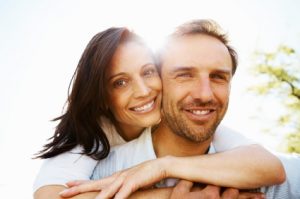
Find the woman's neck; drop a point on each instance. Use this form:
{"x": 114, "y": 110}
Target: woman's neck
{"x": 128, "y": 132}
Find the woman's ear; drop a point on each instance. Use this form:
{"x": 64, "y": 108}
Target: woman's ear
{"x": 106, "y": 104}
{"x": 161, "y": 113}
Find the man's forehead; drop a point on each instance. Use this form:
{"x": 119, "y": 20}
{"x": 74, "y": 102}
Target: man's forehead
{"x": 195, "y": 50}
{"x": 185, "y": 42}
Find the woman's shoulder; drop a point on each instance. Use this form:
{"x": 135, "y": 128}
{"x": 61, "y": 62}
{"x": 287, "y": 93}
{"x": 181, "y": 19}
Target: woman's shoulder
{"x": 69, "y": 159}
{"x": 65, "y": 167}
{"x": 110, "y": 131}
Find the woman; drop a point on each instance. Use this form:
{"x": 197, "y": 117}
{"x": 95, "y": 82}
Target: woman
{"x": 116, "y": 96}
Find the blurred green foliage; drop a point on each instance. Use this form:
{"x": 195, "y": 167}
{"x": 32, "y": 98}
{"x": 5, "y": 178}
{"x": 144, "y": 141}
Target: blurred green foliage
{"x": 278, "y": 75}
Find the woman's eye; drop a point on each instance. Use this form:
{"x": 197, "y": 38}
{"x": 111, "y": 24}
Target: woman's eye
{"x": 150, "y": 72}
{"x": 120, "y": 83}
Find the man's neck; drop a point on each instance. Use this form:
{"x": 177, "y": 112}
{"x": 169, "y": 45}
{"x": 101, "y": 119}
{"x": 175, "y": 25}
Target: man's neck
{"x": 165, "y": 142}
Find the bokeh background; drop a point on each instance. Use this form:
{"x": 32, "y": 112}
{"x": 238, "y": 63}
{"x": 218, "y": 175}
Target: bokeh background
{"x": 41, "y": 43}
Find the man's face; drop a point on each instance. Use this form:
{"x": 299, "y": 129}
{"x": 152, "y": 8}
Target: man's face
{"x": 196, "y": 74}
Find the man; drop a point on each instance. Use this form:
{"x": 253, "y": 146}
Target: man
{"x": 196, "y": 69}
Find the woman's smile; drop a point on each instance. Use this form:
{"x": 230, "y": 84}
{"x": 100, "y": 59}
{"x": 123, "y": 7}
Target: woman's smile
{"x": 144, "y": 108}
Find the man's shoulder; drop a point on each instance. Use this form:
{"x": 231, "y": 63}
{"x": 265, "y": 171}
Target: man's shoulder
{"x": 290, "y": 188}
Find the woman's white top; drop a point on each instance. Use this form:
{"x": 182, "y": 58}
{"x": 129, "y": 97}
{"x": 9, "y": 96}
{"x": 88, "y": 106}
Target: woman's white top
{"x": 72, "y": 165}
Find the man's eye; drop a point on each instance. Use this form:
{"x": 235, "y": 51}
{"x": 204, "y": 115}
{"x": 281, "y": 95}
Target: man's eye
{"x": 120, "y": 83}
{"x": 183, "y": 75}
{"x": 218, "y": 76}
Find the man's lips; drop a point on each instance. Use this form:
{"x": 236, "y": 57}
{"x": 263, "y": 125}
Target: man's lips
{"x": 200, "y": 114}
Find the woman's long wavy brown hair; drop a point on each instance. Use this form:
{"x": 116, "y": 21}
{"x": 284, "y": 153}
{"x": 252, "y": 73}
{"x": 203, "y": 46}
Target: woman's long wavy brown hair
{"x": 87, "y": 99}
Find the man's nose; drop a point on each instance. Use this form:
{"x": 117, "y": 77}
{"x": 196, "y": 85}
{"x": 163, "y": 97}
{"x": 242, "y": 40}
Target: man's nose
{"x": 141, "y": 89}
{"x": 202, "y": 89}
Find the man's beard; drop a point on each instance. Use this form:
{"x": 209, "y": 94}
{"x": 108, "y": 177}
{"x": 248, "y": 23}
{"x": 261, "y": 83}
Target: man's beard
{"x": 182, "y": 126}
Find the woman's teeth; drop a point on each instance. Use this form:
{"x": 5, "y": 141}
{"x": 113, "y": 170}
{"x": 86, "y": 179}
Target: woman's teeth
{"x": 145, "y": 107}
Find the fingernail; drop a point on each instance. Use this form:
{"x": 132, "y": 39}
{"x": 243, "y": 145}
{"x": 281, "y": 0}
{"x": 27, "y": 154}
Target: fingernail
{"x": 63, "y": 192}
{"x": 262, "y": 196}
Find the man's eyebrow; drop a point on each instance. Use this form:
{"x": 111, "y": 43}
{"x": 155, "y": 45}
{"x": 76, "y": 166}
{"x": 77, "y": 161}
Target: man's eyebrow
{"x": 224, "y": 71}
{"x": 181, "y": 68}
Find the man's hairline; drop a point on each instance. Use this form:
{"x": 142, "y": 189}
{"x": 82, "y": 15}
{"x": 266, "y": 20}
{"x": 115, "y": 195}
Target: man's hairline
{"x": 171, "y": 37}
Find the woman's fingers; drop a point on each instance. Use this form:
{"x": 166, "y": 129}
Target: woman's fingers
{"x": 76, "y": 183}
{"x": 110, "y": 190}
{"x": 141, "y": 176}
{"x": 86, "y": 186}
{"x": 89, "y": 186}
{"x": 121, "y": 184}
{"x": 127, "y": 182}
{"x": 128, "y": 187}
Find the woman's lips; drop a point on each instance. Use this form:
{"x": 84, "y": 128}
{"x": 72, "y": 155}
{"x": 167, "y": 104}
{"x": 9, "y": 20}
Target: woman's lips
{"x": 144, "y": 108}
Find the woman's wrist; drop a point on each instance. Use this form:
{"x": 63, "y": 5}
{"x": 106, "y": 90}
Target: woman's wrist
{"x": 167, "y": 165}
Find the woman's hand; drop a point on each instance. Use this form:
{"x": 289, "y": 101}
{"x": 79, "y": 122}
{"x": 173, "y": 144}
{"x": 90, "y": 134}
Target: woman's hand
{"x": 122, "y": 183}
{"x": 82, "y": 186}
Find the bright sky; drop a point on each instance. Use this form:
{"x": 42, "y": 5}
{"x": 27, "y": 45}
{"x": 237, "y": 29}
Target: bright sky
{"x": 41, "y": 43}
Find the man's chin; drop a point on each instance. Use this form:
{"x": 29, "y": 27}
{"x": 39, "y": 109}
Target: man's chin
{"x": 203, "y": 132}
{"x": 199, "y": 138}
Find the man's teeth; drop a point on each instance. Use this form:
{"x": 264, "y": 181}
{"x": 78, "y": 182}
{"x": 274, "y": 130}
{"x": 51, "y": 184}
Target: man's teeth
{"x": 146, "y": 107}
{"x": 200, "y": 112}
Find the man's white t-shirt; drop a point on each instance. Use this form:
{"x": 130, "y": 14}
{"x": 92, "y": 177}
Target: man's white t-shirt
{"x": 74, "y": 166}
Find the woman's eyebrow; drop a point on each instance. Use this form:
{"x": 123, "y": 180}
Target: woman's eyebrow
{"x": 123, "y": 73}
{"x": 115, "y": 75}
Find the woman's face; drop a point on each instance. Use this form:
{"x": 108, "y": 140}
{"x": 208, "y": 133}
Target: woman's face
{"x": 134, "y": 89}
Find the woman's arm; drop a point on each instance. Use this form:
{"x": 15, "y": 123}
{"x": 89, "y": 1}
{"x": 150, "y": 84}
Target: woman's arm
{"x": 49, "y": 191}
{"x": 244, "y": 167}
{"x": 57, "y": 171}
{"x": 184, "y": 189}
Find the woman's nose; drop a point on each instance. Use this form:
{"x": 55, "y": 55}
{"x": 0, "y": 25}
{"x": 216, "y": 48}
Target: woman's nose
{"x": 141, "y": 89}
